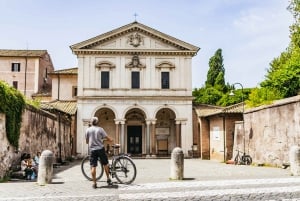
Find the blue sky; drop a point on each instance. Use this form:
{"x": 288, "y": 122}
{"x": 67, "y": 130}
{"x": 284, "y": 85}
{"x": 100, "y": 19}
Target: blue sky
{"x": 250, "y": 32}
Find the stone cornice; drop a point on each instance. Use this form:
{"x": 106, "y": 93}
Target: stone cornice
{"x": 132, "y": 52}
{"x": 131, "y": 28}
{"x": 177, "y": 98}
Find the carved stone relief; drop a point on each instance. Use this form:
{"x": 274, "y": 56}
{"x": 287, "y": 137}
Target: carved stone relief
{"x": 135, "y": 39}
{"x": 105, "y": 64}
{"x": 135, "y": 63}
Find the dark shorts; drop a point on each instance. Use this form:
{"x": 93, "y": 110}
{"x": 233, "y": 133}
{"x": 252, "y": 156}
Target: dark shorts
{"x": 95, "y": 155}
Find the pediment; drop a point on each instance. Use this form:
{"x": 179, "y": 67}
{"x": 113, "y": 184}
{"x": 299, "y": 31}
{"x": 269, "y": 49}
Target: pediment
{"x": 134, "y": 37}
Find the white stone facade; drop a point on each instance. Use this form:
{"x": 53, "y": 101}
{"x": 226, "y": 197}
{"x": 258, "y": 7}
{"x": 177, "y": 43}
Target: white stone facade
{"x": 138, "y": 81}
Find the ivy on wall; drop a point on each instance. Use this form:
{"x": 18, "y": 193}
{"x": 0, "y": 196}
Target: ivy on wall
{"x": 12, "y": 104}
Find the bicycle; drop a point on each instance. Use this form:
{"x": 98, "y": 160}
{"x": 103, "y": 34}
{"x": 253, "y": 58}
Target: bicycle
{"x": 242, "y": 159}
{"x": 121, "y": 167}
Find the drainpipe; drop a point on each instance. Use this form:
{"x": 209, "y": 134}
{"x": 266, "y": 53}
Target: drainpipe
{"x": 58, "y": 87}
{"x": 59, "y": 160}
{"x": 224, "y": 137}
{"x": 25, "y": 75}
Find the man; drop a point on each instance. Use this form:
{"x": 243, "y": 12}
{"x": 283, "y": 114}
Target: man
{"x": 94, "y": 138}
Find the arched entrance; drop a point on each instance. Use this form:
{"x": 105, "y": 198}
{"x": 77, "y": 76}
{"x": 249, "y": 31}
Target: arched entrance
{"x": 106, "y": 120}
{"x": 135, "y": 131}
{"x": 165, "y": 131}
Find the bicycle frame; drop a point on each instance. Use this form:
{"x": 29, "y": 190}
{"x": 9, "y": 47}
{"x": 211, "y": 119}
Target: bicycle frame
{"x": 121, "y": 166}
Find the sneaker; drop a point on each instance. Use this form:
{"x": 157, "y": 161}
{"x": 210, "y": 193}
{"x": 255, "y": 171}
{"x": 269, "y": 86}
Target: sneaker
{"x": 109, "y": 182}
{"x": 94, "y": 186}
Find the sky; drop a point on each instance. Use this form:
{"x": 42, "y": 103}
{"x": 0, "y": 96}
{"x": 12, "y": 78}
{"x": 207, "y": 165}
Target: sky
{"x": 251, "y": 33}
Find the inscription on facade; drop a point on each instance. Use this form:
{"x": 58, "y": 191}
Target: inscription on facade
{"x": 162, "y": 131}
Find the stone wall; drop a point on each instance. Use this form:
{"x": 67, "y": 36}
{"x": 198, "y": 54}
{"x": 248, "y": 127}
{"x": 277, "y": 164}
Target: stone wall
{"x": 270, "y": 131}
{"x": 40, "y": 130}
{"x": 6, "y": 151}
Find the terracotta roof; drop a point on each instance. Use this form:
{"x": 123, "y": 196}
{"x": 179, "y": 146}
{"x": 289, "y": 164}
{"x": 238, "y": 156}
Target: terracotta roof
{"x": 22, "y": 53}
{"x": 69, "y": 107}
{"x": 210, "y": 110}
{"x": 237, "y": 108}
{"x": 68, "y": 71}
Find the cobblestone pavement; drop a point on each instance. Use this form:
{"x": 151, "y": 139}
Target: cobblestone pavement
{"x": 203, "y": 180}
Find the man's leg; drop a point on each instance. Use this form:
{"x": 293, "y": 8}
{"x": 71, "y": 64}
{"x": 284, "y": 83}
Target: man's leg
{"x": 93, "y": 163}
{"x": 106, "y": 169}
{"x": 93, "y": 173}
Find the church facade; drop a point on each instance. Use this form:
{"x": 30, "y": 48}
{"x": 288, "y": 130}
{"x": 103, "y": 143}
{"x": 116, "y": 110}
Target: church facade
{"x": 138, "y": 82}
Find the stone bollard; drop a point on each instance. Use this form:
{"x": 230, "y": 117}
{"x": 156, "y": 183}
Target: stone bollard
{"x": 295, "y": 160}
{"x": 45, "y": 168}
{"x": 177, "y": 164}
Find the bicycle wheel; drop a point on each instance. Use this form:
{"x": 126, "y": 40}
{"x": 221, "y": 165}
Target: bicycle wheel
{"x": 236, "y": 160}
{"x": 86, "y": 169}
{"x": 247, "y": 160}
{"x": 125, "y": 170}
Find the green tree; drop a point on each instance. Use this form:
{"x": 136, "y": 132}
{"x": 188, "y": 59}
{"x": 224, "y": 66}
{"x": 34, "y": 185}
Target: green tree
{"x": 215, "y": 86}
{"x": 216, "y": 72}
{"x": 283, "y": 77}
{"x": 262, "y": 96}
{"x": 207, "y": 95}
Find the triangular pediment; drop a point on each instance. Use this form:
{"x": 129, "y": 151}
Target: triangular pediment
{"x": 134, "y": 37}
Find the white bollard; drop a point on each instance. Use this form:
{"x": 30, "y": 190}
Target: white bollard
{"x": 295, "y": 160}
{"x": 177, "y": 164}
{"x": 45, "y": 168}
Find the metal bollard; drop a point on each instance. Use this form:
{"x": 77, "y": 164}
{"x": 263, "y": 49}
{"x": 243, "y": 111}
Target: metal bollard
{"x": 177, "y": 164}
{"x": 45, "y": 168}
{"x": 295, "y": 160}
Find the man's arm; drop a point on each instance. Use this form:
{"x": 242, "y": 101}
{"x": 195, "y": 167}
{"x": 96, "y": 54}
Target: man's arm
{"x": 109, "y": 139}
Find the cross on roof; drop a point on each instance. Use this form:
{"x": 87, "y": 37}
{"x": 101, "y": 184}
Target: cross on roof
{"x": 135, "y": 15}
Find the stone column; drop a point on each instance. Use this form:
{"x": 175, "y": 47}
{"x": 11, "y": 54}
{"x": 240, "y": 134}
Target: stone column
{"x": 148, "y": 138}
{"x": 117, "y": 140}
{"x": 178, "y": 134}
{"x": 153, "y": 139}
{"x": 122, "y": 140}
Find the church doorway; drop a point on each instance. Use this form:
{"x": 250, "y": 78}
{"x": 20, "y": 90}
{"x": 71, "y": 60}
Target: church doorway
{"x": 134, "y": 140}
{"x": 135, "y": 132}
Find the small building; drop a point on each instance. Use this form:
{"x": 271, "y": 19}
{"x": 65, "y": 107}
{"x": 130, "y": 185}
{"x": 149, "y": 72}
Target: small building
{"x": 27, "y": 71}
{"x": 64, "y": 84}
{"x": 217, "y": 127}
{"x": 64, "y": 101}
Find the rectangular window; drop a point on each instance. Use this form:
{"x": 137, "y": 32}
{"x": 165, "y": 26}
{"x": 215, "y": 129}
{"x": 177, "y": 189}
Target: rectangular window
{"x": 135, "y": 80}
{"x": 165, "y": 80}
{"x": 15, "y": 84}
{"x": 74, "y": 91}
{"x": 104, "y": 79}
{"x": 15, "y": 67}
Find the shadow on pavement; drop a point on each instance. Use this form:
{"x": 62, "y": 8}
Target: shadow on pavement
{"x": 115, "y": 186}
{"x": 188, "y": 179}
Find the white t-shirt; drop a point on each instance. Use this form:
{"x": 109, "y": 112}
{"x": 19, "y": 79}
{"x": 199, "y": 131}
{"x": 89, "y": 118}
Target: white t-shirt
{"x": 95, "y": 135}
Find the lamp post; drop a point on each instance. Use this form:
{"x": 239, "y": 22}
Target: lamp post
{"x": 232, "y": 94}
